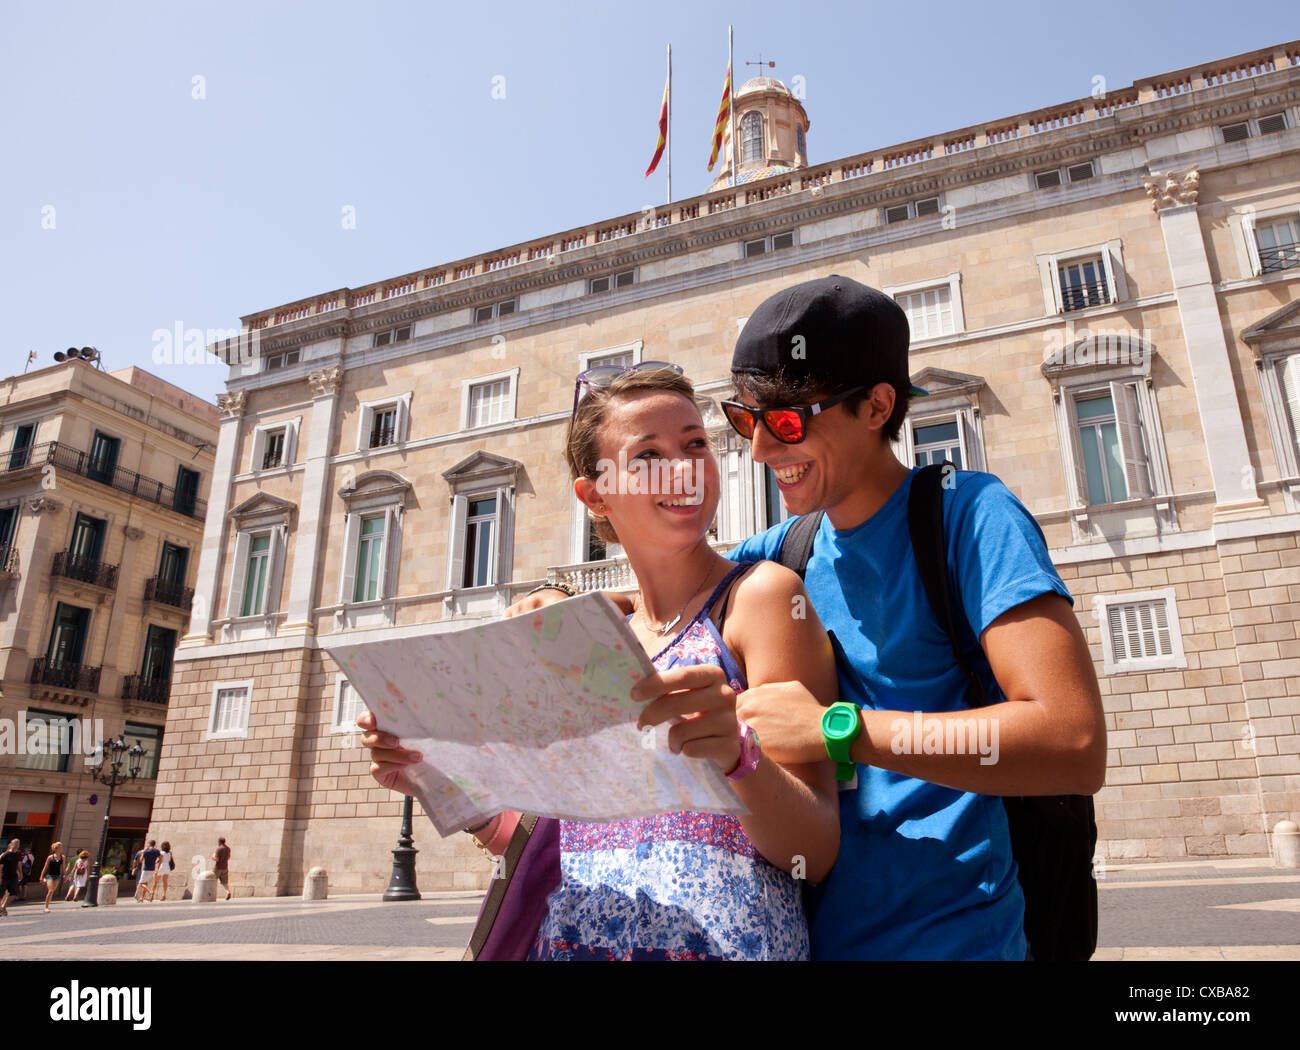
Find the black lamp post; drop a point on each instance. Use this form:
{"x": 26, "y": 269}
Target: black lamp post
{"x": 401, "y": 885}
{"x": 111, "y": 780}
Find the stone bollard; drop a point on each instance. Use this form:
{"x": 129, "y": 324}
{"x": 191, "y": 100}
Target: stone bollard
{"x": 316, "y": 886}
{"x": 205, "y": 886}
{"x": 1286, "y": 844}
{"x": 107, "y": 890}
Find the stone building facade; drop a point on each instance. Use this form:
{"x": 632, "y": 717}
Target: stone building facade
{"x": 103, "y": 489}
{"x": 1102, "y": 304}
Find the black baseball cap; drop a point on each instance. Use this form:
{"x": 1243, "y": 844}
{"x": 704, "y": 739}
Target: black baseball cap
{"x": 835, "y": 331}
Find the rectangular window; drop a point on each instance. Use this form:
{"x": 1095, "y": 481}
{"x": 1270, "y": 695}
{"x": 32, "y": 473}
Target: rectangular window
{"x": 936, "y": 443}
{"x": 1272, "y": 124}
{"x": 1083, "y": 284}
{"x": 159, "y": 647}
{"x": 1278, "y": 242}
{"x": 1079, "y": 172}
{"x": 21, "y": 452}
{"x": 392, "y": 335}
{"x": 1235, "y": 132}
{"x": 347, "y": 706}
{"x": 929, "y": 311}
{"x": 87, "y": 541}
{"x": 479, "y": 529}
{"x": 769, "y": 244}
{"x": 370, "y": 554}
{"x": 755, "y": 247}
{"x": 383, "y": 427}
{"x": 624, "y": 279}
{"x": 283, "y": 360}
{"x": 604, "y": 284}
{"x": 68, "y": 638}
{"x": 103, "y": 458}
{"x": 928, "y": 206}
{"x": 187, "y": 490}
{"x": 898, "y": 213}
{"x": 8, "y": 521}
{"x": 150, "y": 738}
{"x": 1047, "y": 179}
{"x": 48, "y": 743}
{"x": 1113, "y": 444}
{"x": 1140, "y": 631}
{"x": 230, "y": 703}
{"x": 259, "y": 560}
{"x": 489, "y": 403}
{"x": 274, "y": 454}
{"x": 172, "y": 565}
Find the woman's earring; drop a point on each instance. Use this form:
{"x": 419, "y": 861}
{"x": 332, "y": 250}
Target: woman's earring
{"x": 600, "y": 509}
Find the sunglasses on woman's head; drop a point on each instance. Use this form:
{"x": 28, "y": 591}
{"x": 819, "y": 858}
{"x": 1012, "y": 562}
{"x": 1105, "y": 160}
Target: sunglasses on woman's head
{"x": 602, "y": 375}
{"x": 788, "y": 425}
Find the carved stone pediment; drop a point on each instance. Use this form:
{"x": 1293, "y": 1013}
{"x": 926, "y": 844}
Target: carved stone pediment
{"x": 263, "y": 508}
{"x": 377, "y": 485}
{"x": 1279, "y": 331}
{"x": 480, "y": 467}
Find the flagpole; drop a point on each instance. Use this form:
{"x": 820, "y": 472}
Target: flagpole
{"x": 735, "y": 167}
{"x": 668, "y": 143}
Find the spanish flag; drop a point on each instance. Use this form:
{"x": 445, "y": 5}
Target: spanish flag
{"x": 663, "y": 131}
{"x": 724, "y": 110}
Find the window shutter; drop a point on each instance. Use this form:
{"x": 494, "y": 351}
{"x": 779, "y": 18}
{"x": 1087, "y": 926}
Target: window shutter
{"x": 1289, "y": 375}
{"x": 237, "y": 576}
{"x": 348, "y": 571}
{"x": 403, "y": 418}
{"x": 1118, "y": 643}
{"x": 1235, "y": 132}
{"x": 259, "y": 447}
{"x": 1132, "y": 444}
{"x": 392, "y": 552}
{"x": 1076, "y": 479}
{"x": 1116, "y": 278}
{"x": 275, "y": 573}
{"x": 456, "y": 543}
{"x": 972, "y": 455}
{"x": 1272, "y": 124}
{"x": 291, "y": 442}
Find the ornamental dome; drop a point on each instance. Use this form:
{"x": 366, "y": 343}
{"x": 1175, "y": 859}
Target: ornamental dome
{"x": 773, "y": 134}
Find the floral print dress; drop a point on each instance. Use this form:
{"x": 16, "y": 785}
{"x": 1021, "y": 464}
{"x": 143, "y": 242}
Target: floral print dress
{"x": 676, "y": 885}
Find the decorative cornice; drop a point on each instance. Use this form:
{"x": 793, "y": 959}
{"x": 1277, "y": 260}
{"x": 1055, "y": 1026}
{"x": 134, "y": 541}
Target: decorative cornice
{"x": 232, "y": 404}
{"x": 325, "y": 382}
{"x": 1173, "y": 188}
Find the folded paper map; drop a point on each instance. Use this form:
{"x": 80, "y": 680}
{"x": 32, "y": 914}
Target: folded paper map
{"x": 532, "y": 713}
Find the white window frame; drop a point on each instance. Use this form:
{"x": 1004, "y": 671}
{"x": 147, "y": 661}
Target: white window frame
{"x": 1176, "y": 658}
{"x": 1285, "y": 438}
{"x": 280, "y": 356}
{"x": 262, "y": 431}
{"x": 409, "y": 329}
{"x": 467, "y": 386}
{"x": 612, "y": 278}
{"x": 1112, "y": 260}
{"x": 769, "y": 244}
{"x": 512, "y": 302}
{"x": 1252, "y": 127}
{"x": 393, "y": 512}
{"x": 1156, "y": 460}
{"x": 970, "y": 432}
{"x": 338, "y": 722}
{"x": 912, "y": 210}
{"x": 953, "y": 283}
{"x": 1243, "y": 225}
{"x": 274, "y": 571}
{"x": 402, "y": 402}
{"x": 593, "y": 358}
{"x": 240, "y": 732}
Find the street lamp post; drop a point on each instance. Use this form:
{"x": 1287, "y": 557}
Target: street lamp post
{"x": 401, "y": 885}
{"x": 111, "y": 780}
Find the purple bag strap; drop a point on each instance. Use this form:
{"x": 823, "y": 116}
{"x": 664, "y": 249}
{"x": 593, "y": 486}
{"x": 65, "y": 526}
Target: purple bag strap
{"x": 515, "y": 904}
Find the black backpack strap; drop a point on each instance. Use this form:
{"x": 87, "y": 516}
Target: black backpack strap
{"x": 929, "y": 545}
{"x": 797, "y": 543}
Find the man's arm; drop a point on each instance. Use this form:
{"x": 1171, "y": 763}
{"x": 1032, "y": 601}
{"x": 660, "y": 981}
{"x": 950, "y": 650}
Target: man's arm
{"x": 1048, "y": 738}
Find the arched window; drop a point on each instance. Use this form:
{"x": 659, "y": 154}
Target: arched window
{"x": 751, "y": 137}
{"x": 801, "y": 147}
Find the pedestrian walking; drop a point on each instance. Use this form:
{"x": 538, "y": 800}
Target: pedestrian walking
{"x": 163, "y": 869}
{"x": 11, "y": 866}
{"x": 52, "y": 872}
{"x": 221, "y": 860}
{"x": 80, "y": 873}
{"x": 147, "y": 862}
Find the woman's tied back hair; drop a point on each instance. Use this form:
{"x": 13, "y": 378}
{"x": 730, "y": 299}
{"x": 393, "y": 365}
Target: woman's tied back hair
{"x": 582, "y": 443}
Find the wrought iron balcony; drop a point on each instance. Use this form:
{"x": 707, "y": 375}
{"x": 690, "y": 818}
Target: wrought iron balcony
{"x": 271, "y": 458}
{"x": 86, "y": 570}
{"x": 80, "y": 462}
{"x": 1082, "y": 296}
{"x": 65, "y": 675}
{"x": 165, "y": 592}
{"x": 153, "y": 690}
{"x": 1278, "y": 258}
{"x": 9, "y": 558}
{"x": 380, "y": 436}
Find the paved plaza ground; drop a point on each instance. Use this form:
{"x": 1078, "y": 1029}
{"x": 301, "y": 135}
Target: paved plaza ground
{"x": 1232, "y": 909}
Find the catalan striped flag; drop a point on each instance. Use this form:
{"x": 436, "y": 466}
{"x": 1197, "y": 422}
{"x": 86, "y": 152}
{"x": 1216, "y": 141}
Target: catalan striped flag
{"x": 663, "y": 131}
{"x": 724, "y": 110}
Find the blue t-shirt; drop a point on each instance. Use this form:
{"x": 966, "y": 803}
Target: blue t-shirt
{"x": 924, "y": 872}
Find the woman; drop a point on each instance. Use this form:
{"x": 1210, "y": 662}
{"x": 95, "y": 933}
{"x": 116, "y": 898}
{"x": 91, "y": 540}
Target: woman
{"x": 161, "y": 871}
{"x": 80, "y": 873}
{"x": 684, "y": 885}
{"x": 52, "y": 872}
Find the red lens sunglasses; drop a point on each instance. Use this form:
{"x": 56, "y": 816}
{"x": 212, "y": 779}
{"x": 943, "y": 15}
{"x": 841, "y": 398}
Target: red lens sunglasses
{"x": 788, "y": 425}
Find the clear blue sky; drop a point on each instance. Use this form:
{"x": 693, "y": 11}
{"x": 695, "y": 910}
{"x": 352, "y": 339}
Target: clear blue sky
{"x": 169, "y": 208}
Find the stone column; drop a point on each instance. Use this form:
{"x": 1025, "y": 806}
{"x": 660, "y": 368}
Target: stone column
{"x": 304, "y": 583}
{"x": 1173, "y": 195}
{"x": 208, "y": 584}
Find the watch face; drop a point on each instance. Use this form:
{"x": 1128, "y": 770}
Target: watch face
{"x": 840, "y": 722}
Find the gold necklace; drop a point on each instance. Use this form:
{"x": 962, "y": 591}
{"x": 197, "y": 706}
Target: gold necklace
{"x": 661, "y": 631}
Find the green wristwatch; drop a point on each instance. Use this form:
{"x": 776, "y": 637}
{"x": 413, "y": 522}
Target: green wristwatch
{"x": 840, "y": 727}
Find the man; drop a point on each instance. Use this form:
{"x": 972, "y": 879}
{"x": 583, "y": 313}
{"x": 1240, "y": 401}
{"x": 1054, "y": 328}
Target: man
{"x": 145, "y": 861}
{"x": 221, "y": 862}
{"x": 925, "y": 868}
{"x": 11, "y": 866}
